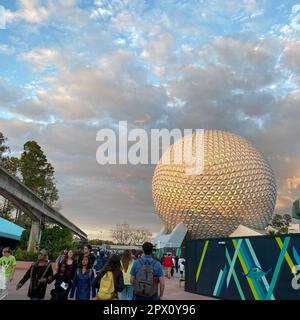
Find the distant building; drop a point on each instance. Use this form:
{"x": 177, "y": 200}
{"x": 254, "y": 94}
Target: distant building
{"x": 296, "y": 209}
{"x": 114, "y": 247}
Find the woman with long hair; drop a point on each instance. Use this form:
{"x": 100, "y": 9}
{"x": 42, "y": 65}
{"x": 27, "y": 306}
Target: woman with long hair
{"x": 61, "y": 258}
{"x": 82, "y": 283}
{"x": 126, "y": 266}
{"x": 71, "y": 266}
{"x": 62, "y": 284}
{"x": 109, "y": 280}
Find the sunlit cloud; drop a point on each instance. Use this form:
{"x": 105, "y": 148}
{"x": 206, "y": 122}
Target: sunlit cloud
{"x": 70, "y": 68}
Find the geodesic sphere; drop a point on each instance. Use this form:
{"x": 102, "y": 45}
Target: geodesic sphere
{"x": 237, "y": 186}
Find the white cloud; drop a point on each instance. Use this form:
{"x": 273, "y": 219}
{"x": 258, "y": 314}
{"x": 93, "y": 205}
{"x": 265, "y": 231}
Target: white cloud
{"x": 6, "y": 49}
{"x": 42, "y": 58}
{"x": 295, "y": 8}
{"x": 31, "y": 11}
{"x": 168, "y": 58}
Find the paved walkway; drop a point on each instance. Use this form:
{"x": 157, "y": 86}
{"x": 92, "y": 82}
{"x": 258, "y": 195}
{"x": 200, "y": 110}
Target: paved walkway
{"x": 172, "y": 292}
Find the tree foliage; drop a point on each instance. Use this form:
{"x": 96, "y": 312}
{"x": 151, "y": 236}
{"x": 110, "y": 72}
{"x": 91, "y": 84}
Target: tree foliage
{"x": 4, "y": 149}
{"x": 34, "y": 170}
{"x": 129, "y": 235}
{"x": 99, "y": 242}
{"x": 54, "y": 240}
{"x": 280, "y": 224}
{"x": 38, "y": 173}
{"x": 5, "y": 206}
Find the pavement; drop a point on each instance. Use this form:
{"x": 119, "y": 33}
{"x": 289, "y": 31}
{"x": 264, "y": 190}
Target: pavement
{"x": 173, "y": 290}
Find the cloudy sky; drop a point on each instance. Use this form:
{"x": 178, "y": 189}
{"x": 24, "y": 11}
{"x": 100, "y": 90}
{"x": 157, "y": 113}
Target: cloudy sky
{"x": 71, "y": 67}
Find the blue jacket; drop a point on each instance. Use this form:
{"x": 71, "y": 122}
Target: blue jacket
{"x": 82, "y": 284}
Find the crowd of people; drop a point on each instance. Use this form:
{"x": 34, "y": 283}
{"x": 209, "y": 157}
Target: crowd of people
{"x": 130, "y": 275}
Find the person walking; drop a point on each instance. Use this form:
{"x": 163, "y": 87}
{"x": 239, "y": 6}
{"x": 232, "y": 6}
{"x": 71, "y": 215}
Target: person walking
{"x": 71, "y": 266}
{"x": 82, "y": 283}
{"x": 40, "y": 274}
{"x": 134, "y": 254}
{"x": 87, "y": 253}
{"x": 168, "y": 264}
{"x": 163, "y": 258}
{"x": 7, "y": 270}
{"x": 181, "y": 263}
{"x": 63, "y": 256}
{"x": 62, "y": 285}
{"x": 101, "y": 259}
{"x": 147, "y": 276}
{"x": 176, "y": 264}
{"x": 173, "y": 267}
{"x": 126, "y": 266}
{"x": 109, "y": 280}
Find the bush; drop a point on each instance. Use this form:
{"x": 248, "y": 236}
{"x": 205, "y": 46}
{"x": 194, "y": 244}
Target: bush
{"x": 24, "y": 255}
{"x": 54, "y": 240}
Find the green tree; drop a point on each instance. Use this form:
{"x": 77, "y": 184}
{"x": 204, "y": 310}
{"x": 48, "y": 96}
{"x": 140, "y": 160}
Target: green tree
{"x": 281, "y": 224}
{"x": 99, "y": 242}
{"x": 37, "y": 173}
{"x": 54, "y": 240}
{"x": 24, "y": 239}
{"x": 12, "y": 165}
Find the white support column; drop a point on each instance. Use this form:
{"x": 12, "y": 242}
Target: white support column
{"x": 35, "y": 237}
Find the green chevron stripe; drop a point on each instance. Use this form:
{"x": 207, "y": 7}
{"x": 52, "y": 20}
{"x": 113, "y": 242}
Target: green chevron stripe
{"x": 278, "y": 267}
{"x": 220, "y": 281}
{"x": 201, "y": 260}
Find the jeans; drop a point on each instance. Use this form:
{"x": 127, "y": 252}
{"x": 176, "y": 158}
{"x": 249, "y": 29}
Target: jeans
{"x": 127, "y": 293}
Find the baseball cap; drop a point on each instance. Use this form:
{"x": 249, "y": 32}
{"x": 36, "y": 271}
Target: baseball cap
{"x": 43, "y": 252}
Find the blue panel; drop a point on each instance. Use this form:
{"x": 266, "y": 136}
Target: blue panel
{"x": 10, "y": 230}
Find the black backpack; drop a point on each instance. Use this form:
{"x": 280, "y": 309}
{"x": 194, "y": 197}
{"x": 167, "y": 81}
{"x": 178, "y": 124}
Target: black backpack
{"x": 144, "y": 285}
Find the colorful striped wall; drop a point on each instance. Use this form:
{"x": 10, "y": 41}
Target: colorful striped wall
{"x": 246, "y": 268}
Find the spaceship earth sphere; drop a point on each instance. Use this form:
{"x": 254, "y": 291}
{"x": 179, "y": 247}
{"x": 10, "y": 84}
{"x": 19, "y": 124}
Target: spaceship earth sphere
{"x": 237, "y": 186}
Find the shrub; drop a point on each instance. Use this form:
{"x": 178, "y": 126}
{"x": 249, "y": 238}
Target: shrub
{"x": 54, "y": 240}
{"x": 24, "y": 255}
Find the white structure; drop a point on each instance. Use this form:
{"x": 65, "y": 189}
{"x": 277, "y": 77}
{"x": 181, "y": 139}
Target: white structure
{"x": 242, "y": 231}
{"x": 294, "y": 227}
{"x": 170, "y": 240}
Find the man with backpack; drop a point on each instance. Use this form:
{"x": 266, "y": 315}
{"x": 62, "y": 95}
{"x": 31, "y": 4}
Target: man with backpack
{"x": 147, "y": 275}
